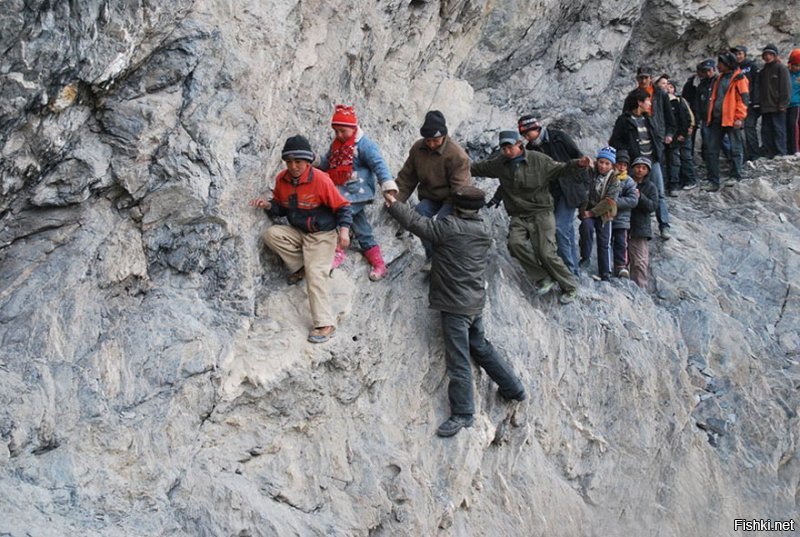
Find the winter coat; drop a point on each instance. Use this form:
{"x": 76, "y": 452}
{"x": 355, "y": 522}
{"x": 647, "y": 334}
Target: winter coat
{"x": 703, "y": 98}
{"x": 774, "y": 87}
{"x": 460, "y": 256}
{"x": 561, "y": 148}
{"x": 626, "y": 200}
{"x": 734, "y": 104}
{"x": 525, "y": 184}
{"x": 795, "y": 100}
{"x": 368, "y": 164}
{"x": 603, "y": 192}
{"x": 438, "y": 173}
{"x": 626, "y": 136}
{"x": 310, "y": 203}
{"x": 684, "y": 119}
{"x": 641, "y": 214}
{"x": 749, "y": 69}
{"x": 661, "y": 117}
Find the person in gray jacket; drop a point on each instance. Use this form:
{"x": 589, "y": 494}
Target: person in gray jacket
{"x": 461, "y": 243}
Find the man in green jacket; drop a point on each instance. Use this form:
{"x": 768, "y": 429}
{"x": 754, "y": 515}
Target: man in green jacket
{"x": 525, "y": 177}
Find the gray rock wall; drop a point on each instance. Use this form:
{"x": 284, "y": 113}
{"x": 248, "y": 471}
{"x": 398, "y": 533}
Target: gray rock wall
{"x": 154, "y": 374}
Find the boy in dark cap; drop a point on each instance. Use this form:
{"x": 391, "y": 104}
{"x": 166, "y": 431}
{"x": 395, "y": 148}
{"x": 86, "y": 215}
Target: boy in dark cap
{"x": 461, "y": 243}
{"x": 309, "y": 200}
{"x": 774, "y": 91}
{"x": 436, "y": 166}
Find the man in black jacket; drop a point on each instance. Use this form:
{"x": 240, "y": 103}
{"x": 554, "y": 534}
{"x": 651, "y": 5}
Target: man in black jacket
{"x": 775, "y": 89}
{"x": 678, "y": 152}
{"x": 461, "y": 243}
{"x": 664, "y": 131}
{"x": 568, "y": 193}
{"x": 750, "y": 69}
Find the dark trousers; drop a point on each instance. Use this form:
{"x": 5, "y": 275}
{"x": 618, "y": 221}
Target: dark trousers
{"x": 619, "y": 243}
{"x": 589, "y": 228}
{"x": 793, "y": 130}
{"x": 680, "y": 163}
{"x": 751, "y": 148}
{"x": 464, "y": 336}
{"x": 773, "y": 133}
{"x": 736, "y": 137}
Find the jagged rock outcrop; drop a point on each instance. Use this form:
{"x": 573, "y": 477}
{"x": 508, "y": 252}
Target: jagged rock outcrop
{"x": 154, "y": 374}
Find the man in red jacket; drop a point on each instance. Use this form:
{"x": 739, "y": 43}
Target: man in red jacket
{"x": 727, "y": 110}
{"x": 309, "y": 200}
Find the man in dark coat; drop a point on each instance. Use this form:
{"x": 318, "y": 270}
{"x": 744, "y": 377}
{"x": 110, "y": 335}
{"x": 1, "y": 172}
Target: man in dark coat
{"x": 663, "y": 132}
{"x": 461, "y": 243}
{"x": 750, "y": 69}
{"x": 775, "y": 89}
{"x": 568, "y": 193}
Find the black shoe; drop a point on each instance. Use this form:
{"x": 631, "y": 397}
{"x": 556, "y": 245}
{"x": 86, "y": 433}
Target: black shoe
{"x": 519, "y": 396}
{"x": 454, "y": 423}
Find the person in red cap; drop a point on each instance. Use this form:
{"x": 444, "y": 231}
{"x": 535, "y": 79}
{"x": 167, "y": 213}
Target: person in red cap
{"x": 793, "y": 112}
{"x": 354, "y": 162}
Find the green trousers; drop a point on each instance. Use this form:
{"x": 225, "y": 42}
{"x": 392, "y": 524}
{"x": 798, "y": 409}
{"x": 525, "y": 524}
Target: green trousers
{"x": 532, "y": 240}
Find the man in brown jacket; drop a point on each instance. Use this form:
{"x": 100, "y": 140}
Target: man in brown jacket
{"x": 436, "y": 167}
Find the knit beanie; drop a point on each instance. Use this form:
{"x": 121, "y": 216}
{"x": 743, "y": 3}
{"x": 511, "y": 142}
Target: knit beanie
{"x": 771, "y": 49}
{"x": 469, "y": 197}
{"x": 528, "y": 123}
{"x": 608, "y": 153}
{"x": 642, "y": 160}
{"x": 434, "y": 125}
{"x": 728, "y": 59}
{"x": 297, "y": 147}
{"x": 508, "y": 137}
{"x": 794, "y": 57}
{"x": 344, "y": 116}
{"x": 623, "y": 156}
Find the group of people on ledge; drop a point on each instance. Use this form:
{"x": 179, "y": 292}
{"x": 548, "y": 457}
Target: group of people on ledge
{"x": 545, "y": 183}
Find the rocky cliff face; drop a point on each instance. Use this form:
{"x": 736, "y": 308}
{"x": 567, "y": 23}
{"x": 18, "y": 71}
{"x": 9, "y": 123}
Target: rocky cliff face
{"x": 154, "y": 374}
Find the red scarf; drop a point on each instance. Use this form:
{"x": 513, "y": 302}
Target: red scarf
{"x": 340, "y": 163}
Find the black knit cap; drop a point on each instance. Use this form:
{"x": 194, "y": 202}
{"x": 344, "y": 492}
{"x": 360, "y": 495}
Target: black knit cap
{"x": 297, "y": 147}
{"x": 469, "y": 197}
{"x": 728, "y": 59}
{"x": 623, "y": 156}
{"x": 434, "y": 125}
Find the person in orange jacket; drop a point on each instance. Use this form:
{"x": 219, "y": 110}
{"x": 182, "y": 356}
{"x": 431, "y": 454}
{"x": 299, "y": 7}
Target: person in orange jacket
{"x": 727, "y": 110}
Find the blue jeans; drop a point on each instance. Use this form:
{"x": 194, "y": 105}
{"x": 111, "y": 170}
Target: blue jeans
{"x": 361, "y": 227}
{"x": 662, "y": 213}
{"x": 431, "y": 209}
{"x": 565, "y": 234}
{"x": 589, "y": 228}
{"x": 464, "y": 337}
{"x": 716, "y": 132}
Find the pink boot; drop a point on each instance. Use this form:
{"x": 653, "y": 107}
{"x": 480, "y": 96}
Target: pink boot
{"x": 338, "y": 258}
{"x": 375, "y": 259}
